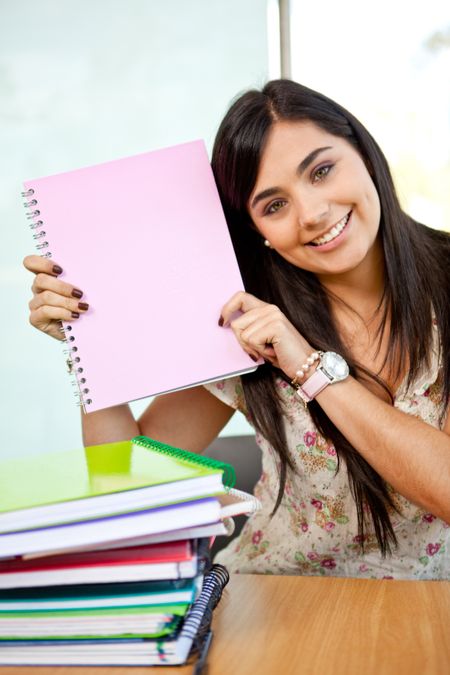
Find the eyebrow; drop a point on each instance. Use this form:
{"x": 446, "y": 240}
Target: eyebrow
{"x": 300, "y": 170}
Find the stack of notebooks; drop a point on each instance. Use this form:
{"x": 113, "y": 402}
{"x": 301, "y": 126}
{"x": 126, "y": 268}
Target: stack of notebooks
{"x": 104, "y": 553}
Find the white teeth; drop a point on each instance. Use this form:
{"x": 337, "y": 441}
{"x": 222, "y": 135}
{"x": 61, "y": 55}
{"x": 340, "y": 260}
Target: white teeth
{"x": 333, "y": 233}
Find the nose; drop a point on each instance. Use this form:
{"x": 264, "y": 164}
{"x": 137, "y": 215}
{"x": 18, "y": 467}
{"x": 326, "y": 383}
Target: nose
{"x": 312, "y": 211}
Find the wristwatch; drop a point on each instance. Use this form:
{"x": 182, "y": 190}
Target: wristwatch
{"x": 332, "y": 368}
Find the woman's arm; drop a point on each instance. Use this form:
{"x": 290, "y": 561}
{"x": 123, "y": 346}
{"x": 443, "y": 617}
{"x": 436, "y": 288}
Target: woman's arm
{"x": 189, "y": 419}
{"x": 408, "y": 453}
{"x": 109, "y": 425}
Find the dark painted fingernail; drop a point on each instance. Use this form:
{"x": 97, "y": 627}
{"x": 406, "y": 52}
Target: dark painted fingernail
{"x": 221, "y": 321}
{"x": 56, "y": 269}
{"x": 83, "y": 305}
{"x": 76, "y": 293}
{"x": 255, "y": 358}
{"x": 75, "y": 315}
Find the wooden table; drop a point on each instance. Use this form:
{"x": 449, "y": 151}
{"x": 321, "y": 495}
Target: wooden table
{"x": 268, "y": 625}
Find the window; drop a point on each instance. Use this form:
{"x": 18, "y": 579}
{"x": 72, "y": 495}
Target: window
{"x": 388, "y": 63}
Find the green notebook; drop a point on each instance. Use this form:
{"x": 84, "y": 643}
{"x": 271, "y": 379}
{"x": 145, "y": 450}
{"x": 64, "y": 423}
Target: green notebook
{"x": 149, "y": 622}
{"x": 103, "y": 480}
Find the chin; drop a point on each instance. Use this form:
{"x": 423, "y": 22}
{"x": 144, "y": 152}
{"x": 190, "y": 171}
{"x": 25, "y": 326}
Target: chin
{"x": 335, "y": 270}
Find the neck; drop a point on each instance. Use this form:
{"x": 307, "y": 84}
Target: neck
{"x": 360, "y": 289}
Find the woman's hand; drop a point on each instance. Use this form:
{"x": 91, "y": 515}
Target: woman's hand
{"x": 53, "y": 300}
{"x": 262, "y": 330}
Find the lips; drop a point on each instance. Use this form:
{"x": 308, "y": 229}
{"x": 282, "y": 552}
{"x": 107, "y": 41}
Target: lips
{"x": 332, "y": 233}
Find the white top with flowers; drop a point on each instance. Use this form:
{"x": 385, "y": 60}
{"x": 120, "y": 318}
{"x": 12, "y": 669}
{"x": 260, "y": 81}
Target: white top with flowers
{"x": 314, "y": 531}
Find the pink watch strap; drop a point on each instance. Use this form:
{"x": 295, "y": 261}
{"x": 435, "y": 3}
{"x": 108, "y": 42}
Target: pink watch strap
{"x": 313, "y": 386}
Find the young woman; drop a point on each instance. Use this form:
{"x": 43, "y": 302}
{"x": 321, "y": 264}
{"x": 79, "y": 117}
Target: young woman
{"x": 347, "y": 302}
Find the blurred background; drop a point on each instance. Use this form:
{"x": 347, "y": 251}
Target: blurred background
{"x": 86, "y": 82}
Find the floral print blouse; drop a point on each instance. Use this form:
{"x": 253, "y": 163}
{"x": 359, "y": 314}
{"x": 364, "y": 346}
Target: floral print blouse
{"x": 314, "y": 531}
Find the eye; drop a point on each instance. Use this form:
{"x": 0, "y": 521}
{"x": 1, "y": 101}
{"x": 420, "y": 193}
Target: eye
{"x": 321, "y": 172}
{"x": 273, "y": 207}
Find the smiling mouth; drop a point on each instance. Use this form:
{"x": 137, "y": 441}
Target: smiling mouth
{"x": 335, "y": 231}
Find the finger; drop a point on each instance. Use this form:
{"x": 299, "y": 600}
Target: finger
{"x": 237, "y": 330}
{"x": 257, "y": 330}
{"x": 48, "y": 298}
{"x": 46, "y": 282}
{"x": 248, "y": 340}
{"x": 267, "y": 354}
{"x": 263, "y": 335}
{"x": 242, "y": 302}
{"x": 255, "y": 351}
{"x": 52, "y": 328}
{"x": 266, "y": 317}
{"x": 46, "y": 314}
{"x": 255, "y": 340}
{"x": 263, "y": 313}
{"x": 272, "y": 360}
{"x": 36, "y": 264}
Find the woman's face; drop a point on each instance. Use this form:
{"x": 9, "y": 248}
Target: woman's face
{"x": 314, "y": 199}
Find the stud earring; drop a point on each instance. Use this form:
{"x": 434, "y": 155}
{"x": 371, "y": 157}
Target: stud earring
{"x": 267, "y": 243}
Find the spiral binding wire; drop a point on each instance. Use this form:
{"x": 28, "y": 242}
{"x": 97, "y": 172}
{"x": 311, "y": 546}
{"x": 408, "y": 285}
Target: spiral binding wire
{"x": 228, "y": 476}
{"x": 198, "y": 620}
{"x": 74, "y": 367}
{"x": 201, "y": 615}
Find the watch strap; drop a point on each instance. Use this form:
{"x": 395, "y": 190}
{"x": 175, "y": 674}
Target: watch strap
{"x": 313, "y": 385}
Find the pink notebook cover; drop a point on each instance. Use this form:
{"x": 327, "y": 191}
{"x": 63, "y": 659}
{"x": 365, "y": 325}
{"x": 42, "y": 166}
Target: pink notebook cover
{"x": 146, "y": 240}
{"x": 177, "y": 551}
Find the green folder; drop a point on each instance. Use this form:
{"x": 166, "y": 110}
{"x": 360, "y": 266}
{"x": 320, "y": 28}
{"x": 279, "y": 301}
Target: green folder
{"x": 103, "y": 480}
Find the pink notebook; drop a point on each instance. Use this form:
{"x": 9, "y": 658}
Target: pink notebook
{"x": 146, "y": 240}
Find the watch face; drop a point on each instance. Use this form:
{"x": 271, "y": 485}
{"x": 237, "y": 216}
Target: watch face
{"x": 335, "y": 366}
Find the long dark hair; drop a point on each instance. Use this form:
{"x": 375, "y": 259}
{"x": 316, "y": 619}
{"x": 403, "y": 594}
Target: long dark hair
{"x": 417, "y": 280}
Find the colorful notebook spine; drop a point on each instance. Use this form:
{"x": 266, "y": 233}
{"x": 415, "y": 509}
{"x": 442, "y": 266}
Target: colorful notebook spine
{"x": 73, "y": 358}
{"x": 228, "y": 473}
